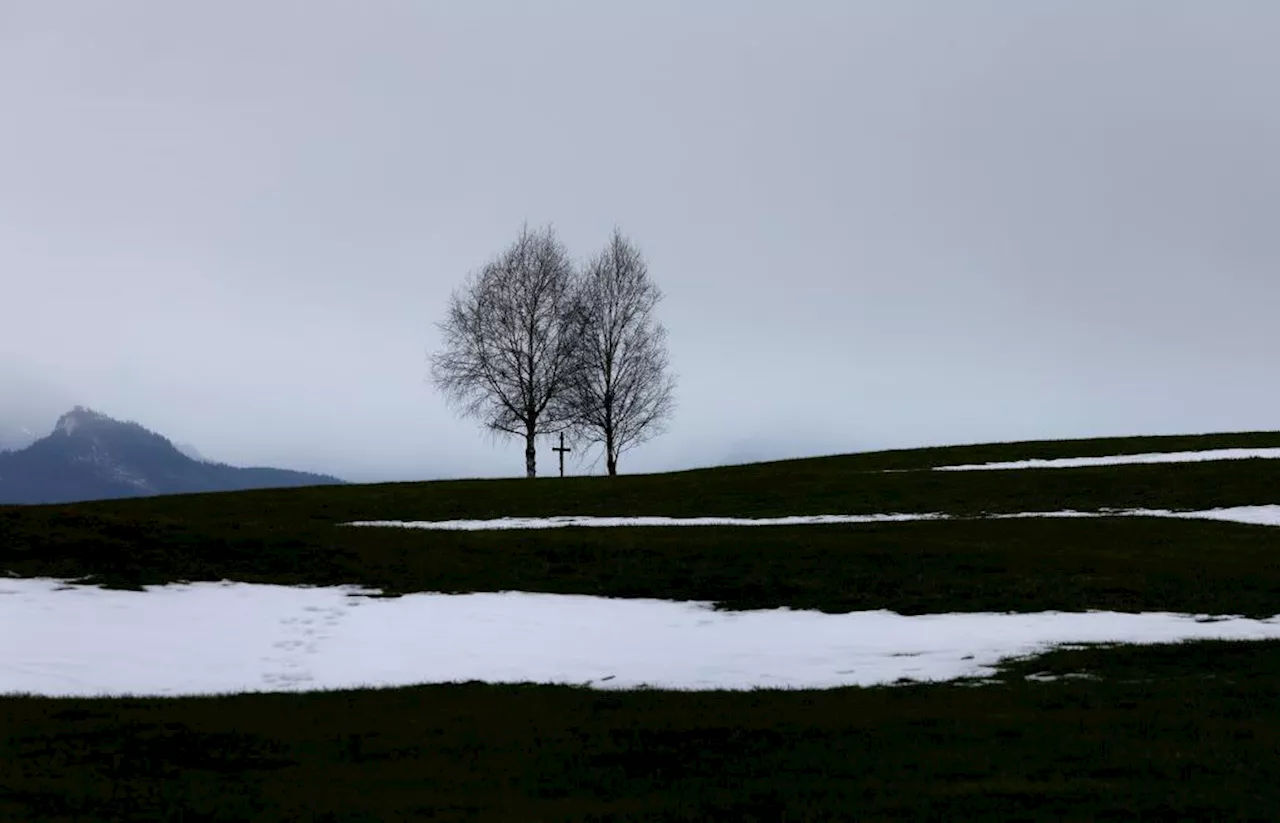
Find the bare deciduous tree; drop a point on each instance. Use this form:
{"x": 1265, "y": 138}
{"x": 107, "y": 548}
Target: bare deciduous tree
{"x": 621, "y": 392}
{"x": 510, "y": 341}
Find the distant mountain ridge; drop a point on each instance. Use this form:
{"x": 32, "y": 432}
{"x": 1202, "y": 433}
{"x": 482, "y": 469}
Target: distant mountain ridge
{"x": 90, "y": 456}
{"x": 14, "y": 437}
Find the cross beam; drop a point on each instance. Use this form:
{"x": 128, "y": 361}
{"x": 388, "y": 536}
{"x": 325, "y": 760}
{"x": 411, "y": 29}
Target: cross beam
{"x": 562, "y": 448}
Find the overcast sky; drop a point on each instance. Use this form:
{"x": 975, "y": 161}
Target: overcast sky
{"x": 877, "y": 224}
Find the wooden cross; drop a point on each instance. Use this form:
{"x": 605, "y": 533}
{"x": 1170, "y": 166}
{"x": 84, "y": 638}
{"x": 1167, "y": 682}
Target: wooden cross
{"x": 562, "y": 448}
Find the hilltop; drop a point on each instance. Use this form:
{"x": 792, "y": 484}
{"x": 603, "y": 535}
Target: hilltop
{"x": 294, "y": 536}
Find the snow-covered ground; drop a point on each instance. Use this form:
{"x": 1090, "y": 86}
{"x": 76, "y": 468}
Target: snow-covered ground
{"x": 1116, "y": 460}
{"x": 1268, "y": 515}
{"x": 586, "y": 521}
{"x": 64, "y": 640}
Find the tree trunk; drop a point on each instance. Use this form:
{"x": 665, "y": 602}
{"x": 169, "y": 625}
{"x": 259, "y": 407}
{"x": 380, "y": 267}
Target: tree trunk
{"x": 530, "y": 454}
{"x": 610, "y": 454}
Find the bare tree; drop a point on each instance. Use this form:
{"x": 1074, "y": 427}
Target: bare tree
{"x": 621, "y": 392}
{"x": 509, "y": 342}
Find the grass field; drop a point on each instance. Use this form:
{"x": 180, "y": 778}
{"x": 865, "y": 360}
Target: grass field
{"x": 1152, "y": 733}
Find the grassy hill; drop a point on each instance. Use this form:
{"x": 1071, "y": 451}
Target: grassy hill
{"x": 1166, "y": 732}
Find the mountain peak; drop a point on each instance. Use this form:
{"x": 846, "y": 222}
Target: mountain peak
{"x": 90, "y": 456}
{"x": 78, "y": 418}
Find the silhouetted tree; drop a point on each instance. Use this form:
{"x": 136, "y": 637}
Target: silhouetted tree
{"x": 621, "y": 394}
{"x": 510, "y": 339}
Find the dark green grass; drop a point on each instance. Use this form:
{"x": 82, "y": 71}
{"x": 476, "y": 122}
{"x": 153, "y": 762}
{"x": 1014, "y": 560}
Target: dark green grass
{"x": 1164, "y": 733}
{"x": 1052, "y": 449}
{"x": 292, "y": 536}
{"x": 847, "y": 484}
{"x": 1125, "y": 564}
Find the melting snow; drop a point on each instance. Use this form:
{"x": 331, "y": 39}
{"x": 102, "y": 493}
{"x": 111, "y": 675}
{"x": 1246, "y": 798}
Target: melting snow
{"x": 1156, "y": 457}
{"x": 1268, "y": 515}
{"x": 230, "y": 637}
{"x": 585, "y": 521}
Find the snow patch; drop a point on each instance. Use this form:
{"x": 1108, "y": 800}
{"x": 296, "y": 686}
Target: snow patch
{"x": 585, "y": 521}
{"x": 205, "y": 638}
{"x": 1122, "y": 459}
{"x": 1268, "y": 515}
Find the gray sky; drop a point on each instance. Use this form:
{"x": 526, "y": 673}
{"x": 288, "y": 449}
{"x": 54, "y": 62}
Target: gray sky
{"x": 877, "y": 224}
